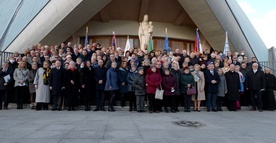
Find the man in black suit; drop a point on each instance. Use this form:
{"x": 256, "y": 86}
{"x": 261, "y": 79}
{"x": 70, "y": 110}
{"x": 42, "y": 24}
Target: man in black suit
{"x": 255, "y": 83}
{"x": 57, "y": 85}
{"x": 212, "y": 79}
{"x": 100, "y": 77}
{"x": 6, "y": 84}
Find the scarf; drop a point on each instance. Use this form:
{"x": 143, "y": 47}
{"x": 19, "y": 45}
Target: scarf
{"x": 46, "y": 76}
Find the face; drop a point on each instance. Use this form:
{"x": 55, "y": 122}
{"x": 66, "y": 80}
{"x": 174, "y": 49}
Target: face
{"x": 197, "y": 68}
{"x": 158, "y": 65}
{"x": 255, "y": 66}
{"x": 58, "y": 63}
{"x": 267, "y": 71}
{"x": 220, "y": 72}
{"x": 211, "y": 67}
{"x": 186, "y": 71}
{"x": 153, "y": 69}
{"x": 100, "y": 62}
{"x": 141, "y": 72}
{"x": 114, "y": 65}
{"x": 232, "y": 67}
{"x": 45, "y": 65}
{"x": 22, "y": 64}
{"x": 72, "y": 65}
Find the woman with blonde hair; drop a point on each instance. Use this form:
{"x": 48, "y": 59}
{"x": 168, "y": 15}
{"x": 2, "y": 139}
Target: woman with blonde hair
{"x": 20, "y": 76}
{"x": 200, "y": 85}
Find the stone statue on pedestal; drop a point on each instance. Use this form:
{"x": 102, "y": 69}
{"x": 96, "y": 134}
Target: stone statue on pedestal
{"x": 145, "y": 33}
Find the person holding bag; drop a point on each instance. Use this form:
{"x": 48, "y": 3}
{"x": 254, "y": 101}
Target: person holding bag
{"x": 169, "y": 84}
{"x": 186, "y": 82}
{"x": 200, "y": 85}
{"x": 20, "y": 76}
{"x": 153, "y": 81}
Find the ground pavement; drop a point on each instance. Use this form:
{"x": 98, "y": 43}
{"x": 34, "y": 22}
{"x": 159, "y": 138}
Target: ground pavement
{"x": 29, "y": 126}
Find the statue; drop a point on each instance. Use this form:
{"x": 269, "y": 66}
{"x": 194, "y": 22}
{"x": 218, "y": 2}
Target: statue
{"x": 145, "y": 33}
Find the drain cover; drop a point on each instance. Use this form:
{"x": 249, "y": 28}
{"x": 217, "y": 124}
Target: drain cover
{"x": 193, "y": 124}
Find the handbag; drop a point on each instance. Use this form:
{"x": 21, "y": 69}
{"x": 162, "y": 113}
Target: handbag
{"x": 159, "y": 93}
{"x": 191, "y": 91}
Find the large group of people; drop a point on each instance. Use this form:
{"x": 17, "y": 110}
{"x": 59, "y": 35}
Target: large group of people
{"x": 67, "y": 76}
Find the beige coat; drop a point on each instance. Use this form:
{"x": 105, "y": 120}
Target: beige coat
{"x": 200, "y": 86}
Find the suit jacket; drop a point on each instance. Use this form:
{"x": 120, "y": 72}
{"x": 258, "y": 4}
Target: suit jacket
{"x": 2, "y": 81}
{"x": 210, "y": 87}
{"x": 56, "y": 80}
{"x": 255, "y": 81}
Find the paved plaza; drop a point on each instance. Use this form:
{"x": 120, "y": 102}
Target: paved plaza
{"x": 29, "y": 126}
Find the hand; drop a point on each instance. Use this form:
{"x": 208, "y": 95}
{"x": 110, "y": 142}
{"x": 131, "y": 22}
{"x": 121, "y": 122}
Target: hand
{"x": 262, "y": 90}
{"x": 100, "y": 82}
{"x": 36, "y": 86}
{"x": 72, "y": 82}
{"x": 5, "y": 84}
{"x": 62, "y": 88}
{"x": 110, "y": 87}
{"x": 226, "y": 91}
{"x": 123, "y": 84}
{"x": 3, "y": 70}
{"x": 146, "y": 84}
{"x": 51, "y": 87}
{"x": 189, "y": 85}
{"x": 213, "y": 81}
{"x": 21, "y": 81}
{"x": 83, "y": 86}
{"x": 247, "y": 88}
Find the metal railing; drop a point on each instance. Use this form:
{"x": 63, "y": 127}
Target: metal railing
{"x": 4, "y": 57}
{"x": 269, "y": 64}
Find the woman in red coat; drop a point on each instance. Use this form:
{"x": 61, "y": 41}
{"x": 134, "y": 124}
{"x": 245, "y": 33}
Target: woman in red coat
{"x": 153, "y": 81}
{"x": 169, "y": 85}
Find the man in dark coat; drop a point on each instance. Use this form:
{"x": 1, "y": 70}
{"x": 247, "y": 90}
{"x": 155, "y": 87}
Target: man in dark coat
{"x": 211, "y": 86}
{"x": 233, "y": 87}
{"x": 57, "y": 85}
{"x": 269, "y": 98}
{"x": 100, "y": 78}
{"x": 6, "y": 84}
{"x": 255, "y": 83}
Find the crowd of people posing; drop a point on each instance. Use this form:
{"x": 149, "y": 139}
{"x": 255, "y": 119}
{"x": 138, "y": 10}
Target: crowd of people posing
{"x": 62, "y": 75}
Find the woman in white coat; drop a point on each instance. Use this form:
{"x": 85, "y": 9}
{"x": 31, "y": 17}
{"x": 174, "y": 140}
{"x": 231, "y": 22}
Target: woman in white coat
{"x": 200, "y": 85}
{"x": 41, "y": 83}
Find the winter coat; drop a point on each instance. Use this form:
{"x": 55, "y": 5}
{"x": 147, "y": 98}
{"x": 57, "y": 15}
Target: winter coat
{"x": 153, "y": 81}
{"x": 43, "y": 91}
{"x": 255, "y": 81}
{"x": 31, "y": 77}
{"x": 130, "y": 77}
{"x": 233, "y": 85}
{"x": 111, "y": 80}
{"x": 56, "y": 81}
{"x": 122, "y": 75}
{"x": 176, "y": 74}
{"x": 139, "y": 84}
{"x": 168, "y": 81}
{"x": 200, "y": 83}
{"x": 2, "y": 81}
{"x": 209, "y": 86}
{"x": 186, "y": 79}
{"x": 100, "y": 74}
{"x": 222, "y": 86}
{"x": 20, "y": 75}
{"x": 270, "y": 81}
{"x": 72, "y": 75}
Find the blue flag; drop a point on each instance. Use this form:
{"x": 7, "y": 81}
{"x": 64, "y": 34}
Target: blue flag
{"x": 166, "y": 44}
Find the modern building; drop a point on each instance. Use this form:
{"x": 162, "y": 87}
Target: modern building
{"x": 28, "y": 22}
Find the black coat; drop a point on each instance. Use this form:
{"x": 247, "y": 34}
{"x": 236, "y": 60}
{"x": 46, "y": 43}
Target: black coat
{"x": 233, "y": 85}
{"x": 139, "y": 84}
{"x": 255, "y": 81}
{"x": 122, "y": 76}
{"x": 210, "y": 87}
{"x": 72, "y": 75}
{"x": 270, "y": 81}
{"x": 2, "y": 81}
{"x": 56, "y": 81}
{"x": 130, "y": 77}
{"x": 176, "y": 74}
{"x": 87, "y": 78}
{"x": 100, "y": 74}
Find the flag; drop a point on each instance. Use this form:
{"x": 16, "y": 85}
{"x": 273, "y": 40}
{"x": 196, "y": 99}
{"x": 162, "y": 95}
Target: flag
{"x": 197, "y": 47}
{"x": 226, "y": 46}
{"x": 127, "y": 45}
{"x": 150, "y": 45}
{"x": 114, "y": 44}
{"x": 86, "y": 37}
{"x": 166, "y": 43}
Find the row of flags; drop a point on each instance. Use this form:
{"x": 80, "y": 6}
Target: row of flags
{"x": 197, "y": 46}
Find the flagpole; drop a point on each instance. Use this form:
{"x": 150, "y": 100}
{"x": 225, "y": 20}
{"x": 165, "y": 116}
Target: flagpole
{"x": 86, "y": 37}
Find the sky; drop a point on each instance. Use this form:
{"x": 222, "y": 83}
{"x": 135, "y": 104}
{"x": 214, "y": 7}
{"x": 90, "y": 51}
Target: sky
{"x": 262, "y": 14}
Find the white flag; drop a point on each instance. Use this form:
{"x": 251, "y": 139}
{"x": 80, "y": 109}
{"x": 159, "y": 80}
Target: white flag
{"x": 127, "y": 45}
{"x": 226, "y": 46}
